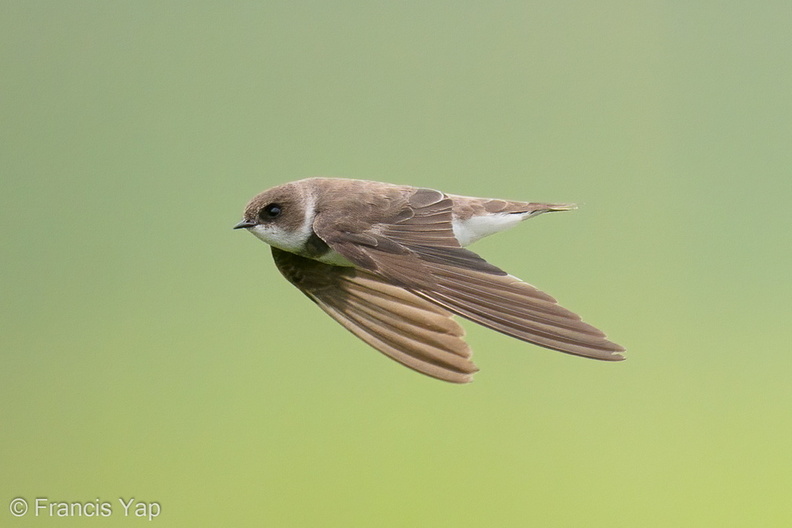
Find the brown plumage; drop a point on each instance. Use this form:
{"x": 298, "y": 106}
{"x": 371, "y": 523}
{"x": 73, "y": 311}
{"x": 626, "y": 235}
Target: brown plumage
{"x": 386, "y": 262}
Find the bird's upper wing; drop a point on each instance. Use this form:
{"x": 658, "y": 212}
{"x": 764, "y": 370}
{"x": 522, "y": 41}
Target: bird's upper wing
{"x": 401, "y": 325}
{"x": 415, "y": 248}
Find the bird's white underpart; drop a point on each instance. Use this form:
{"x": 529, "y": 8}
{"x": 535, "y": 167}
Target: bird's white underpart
{"x": 478, "y": 227}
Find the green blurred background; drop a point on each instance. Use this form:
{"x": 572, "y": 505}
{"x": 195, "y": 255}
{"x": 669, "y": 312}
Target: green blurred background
{"x": 149, "y": 351}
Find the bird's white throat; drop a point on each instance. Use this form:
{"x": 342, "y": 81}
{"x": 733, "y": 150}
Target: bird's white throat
{"x": 292, "y": 241}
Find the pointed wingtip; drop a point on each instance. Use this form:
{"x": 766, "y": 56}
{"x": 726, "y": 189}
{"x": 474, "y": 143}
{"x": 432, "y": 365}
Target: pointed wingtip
{"x": 616, "y": 353}
{"x": 456, "y": 379}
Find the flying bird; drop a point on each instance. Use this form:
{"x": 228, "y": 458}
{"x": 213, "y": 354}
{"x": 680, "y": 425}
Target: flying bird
{"x": 388, "y": 263}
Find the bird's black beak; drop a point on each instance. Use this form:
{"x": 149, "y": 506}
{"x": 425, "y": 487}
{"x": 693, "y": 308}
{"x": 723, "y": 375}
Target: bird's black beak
{"x": 244, "y": 224}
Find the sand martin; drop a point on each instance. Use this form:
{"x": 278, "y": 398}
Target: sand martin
{"x": 388, "y": 263}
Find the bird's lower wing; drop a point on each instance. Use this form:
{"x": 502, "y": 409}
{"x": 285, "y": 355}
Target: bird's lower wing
{"x": 413, "y": 331}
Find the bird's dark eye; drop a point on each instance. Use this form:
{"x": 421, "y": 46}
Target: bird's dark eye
{"x": 271, "y": 211}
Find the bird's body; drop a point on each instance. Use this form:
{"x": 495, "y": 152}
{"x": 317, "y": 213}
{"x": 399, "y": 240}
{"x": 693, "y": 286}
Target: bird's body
{"x": 387, "y": 262}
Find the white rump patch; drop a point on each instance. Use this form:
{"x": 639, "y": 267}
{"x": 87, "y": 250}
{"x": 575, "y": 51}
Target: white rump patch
{"x": 477, "y": 227}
